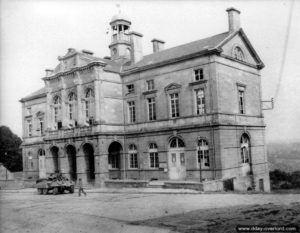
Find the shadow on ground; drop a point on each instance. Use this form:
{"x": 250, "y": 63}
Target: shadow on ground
{"x": 226, "y": 219}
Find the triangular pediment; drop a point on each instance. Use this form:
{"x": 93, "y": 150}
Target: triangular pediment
{"x": 238, "y": 47}
{"x": 172, "y": 86}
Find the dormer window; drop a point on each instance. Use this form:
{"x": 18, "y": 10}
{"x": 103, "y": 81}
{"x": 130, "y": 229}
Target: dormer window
{"x": 130, "y": 88}
{"x": 238, "y": 54}
{"x": 198, "y": 74}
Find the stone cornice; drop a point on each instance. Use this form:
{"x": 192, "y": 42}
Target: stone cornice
{"x": 171, "y": 61}
{"x": 33, "y": 97}
{"x": 73, "y": 70}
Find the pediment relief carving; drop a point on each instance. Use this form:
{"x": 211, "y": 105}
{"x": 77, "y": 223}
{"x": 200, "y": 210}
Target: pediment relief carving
{"x": 172, "y": 86}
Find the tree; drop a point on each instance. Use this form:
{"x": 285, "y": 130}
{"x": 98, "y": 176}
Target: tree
{"x": 10, "y": 151}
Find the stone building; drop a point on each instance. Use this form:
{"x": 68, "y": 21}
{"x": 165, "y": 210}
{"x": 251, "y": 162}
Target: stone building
{"x": 191, "y": 112}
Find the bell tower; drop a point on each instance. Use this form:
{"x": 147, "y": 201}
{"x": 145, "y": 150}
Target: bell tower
{"x": 120, "y": 46}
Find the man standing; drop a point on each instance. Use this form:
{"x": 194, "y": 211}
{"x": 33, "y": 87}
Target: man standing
{"x": 80, "y": 188}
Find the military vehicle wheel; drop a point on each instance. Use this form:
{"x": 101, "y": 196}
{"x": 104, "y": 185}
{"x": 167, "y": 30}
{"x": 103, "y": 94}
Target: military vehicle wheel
{"x": 40, "y": 191}
{"x": 61, "y": 190}
{"x": 72, "y": 189}
{"x": 45, "y": 191}
{"x": 55, "y": 191}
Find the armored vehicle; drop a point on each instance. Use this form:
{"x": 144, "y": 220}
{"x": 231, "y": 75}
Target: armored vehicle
{"x": 55, "y": 182}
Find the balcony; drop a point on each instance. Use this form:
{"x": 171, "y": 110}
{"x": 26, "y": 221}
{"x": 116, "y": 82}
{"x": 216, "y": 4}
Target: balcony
{"x": 120, "y": 37}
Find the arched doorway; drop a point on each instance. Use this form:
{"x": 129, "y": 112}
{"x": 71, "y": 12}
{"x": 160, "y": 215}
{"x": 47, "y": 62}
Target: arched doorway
{"x": 88, "y": 151}
{"x": 245, "y": 154}
{"x": 54, "y": 152}
{"x": 114, "y": 160}
{"x": 176, "y": 159}
{"x": 71, "y": 153}
{"x": 42, "y": 164}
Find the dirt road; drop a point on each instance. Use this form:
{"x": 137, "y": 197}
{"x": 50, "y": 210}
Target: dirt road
{"x": 121, "y": 212}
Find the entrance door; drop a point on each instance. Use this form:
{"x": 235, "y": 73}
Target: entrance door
{"x": 42, "y": 164}
{"x": 177, "y": 169}
{"x": 176, "y": 160}
{"x": 261, "y": 185}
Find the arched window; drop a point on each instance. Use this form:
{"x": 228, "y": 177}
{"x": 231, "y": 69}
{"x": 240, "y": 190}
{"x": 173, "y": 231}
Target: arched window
{"x": 29, "y": 164}
{"x": 88, "y": 95}
{"x": 41, "y": 152}
{"x": 71, "y": 109}
{"x": 57, "y": 111}
{"x": 245, "y": 149}
{"x": 203, "y": 153}
{"x": 114, "y": 51}
{"x": 176, "y": 143}
{"x": 238, "y": 53}
{"x": 133, "y": 159}
{"x": 56, "y": 100}
{"x": 153, "y": 154}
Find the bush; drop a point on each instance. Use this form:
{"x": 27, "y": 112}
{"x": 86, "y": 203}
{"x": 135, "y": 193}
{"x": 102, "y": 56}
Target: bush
{"x": 284, "y": 180}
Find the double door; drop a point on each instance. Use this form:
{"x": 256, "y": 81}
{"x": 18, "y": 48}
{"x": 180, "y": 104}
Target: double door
{"x": 177, "y": 164}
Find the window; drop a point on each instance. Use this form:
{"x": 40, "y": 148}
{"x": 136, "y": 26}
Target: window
{"x": 56, "y": 100}
{"x": 238, "y": 54}
{"x": 176, "y": 143}
{"x": 29, "y": 164}
{"x": 154, "y": 161}
{"x": 131, "y": 110}
{"x": 241, "y": 102}
{"x": 174, "y": 103}
{"x": 41, "y": 126}
{"x": 151, "y": 109}
{"x": 203, "y": 153}
{"x": 87, "y": 108}
{"x": 200, "y": 102}
{"x": 89, "y": 93}
{"x": 245, "y": 148}
{"x": 28, "y": 111}
{"x": 55, "y": 114}
{"x": 56, "y": 111}
{"x": 71, "y": 98}
{"x": 130, "y": 88}
{"x": 150, "y": 85}
{"x": 70, "y": 111}
{"x": 133, "y": 160}
{"x": 198, "y": 74}
{"x": 29, "y": 128}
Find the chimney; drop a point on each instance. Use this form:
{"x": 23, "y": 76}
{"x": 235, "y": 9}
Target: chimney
{"x": 233, "y": 19}
{"x": 88, "y": 52}
{"x": 136, "y": 46}
{"x": 158, "y": 45}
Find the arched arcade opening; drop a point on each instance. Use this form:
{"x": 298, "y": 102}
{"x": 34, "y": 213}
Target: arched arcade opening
{"x": 88, "y": 151}
{"x": 71, "y": 154}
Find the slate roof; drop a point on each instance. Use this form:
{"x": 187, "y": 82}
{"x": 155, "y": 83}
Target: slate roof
{"x": 40, "y": 92}
{"x": 180, "y": 51}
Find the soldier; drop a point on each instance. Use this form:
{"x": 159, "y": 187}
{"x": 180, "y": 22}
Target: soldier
{"x": 80, "y": 187}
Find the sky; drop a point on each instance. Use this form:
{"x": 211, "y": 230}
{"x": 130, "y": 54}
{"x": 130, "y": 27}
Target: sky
{"x": 35, "y": 32}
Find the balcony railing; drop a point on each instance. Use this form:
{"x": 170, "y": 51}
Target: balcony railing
{"x": 120, "y": 37}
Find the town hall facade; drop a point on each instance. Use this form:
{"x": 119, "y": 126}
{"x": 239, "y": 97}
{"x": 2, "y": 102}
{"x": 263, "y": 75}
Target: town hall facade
{"x": 187, "y": 113}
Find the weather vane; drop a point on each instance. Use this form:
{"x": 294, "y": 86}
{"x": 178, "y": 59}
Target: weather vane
{"x": 118, "y": 7}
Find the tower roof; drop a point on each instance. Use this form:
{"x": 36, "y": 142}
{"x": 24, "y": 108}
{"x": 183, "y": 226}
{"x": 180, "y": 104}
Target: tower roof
{"x": 120, "y": 17}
